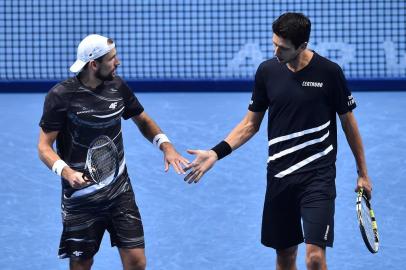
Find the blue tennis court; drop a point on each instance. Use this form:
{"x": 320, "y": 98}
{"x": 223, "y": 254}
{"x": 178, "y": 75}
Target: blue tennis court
{"x": 216, "y": 223}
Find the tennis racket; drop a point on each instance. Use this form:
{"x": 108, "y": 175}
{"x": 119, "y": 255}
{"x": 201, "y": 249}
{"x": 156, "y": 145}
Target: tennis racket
{"x": 102, "y": 163}
{"x": 367, "y": 222}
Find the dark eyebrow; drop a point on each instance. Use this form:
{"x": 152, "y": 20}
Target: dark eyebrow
{"x": 283, "y": 47}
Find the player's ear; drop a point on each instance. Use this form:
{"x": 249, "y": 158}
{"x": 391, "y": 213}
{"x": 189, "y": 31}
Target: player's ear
{"x": 93, "y": 65}
{"x": 303, "y": 46}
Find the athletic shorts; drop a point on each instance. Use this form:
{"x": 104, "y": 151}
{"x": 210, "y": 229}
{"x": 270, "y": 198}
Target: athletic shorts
{"x": 83, "y": 228}
{"x": 304, "y": 197}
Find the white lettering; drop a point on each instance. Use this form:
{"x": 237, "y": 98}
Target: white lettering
{"x": 249, "y": 57}
{"x": 113, "y": 105}
{"x": 246, "y": 61}
{"x": 326, "y": 234}
{"x": 312, "y": 84}
{"x": 393, "y": 66}
{"x": 77, "y": 253}
{"x": 351, "y": 101}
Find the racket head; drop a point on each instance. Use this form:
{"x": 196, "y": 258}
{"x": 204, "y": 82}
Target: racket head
{"x": 367, "y": 222}
{"x": 102, "y": 164}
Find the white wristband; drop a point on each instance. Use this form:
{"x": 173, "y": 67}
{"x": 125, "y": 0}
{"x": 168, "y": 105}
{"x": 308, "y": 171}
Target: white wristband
{"x": 159, "y": 139}
{"x": 58, "y": 166}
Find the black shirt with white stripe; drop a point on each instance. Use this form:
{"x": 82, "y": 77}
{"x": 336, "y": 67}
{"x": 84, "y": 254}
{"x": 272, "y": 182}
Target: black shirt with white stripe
{"x": 80, "y": 115}
{"x": 302, "y": 107}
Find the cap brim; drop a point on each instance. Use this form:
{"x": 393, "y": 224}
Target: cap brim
{"x": 77, "y": 66}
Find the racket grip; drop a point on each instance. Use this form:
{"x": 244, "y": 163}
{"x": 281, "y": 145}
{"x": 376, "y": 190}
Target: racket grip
{"x": 87, "y": 177}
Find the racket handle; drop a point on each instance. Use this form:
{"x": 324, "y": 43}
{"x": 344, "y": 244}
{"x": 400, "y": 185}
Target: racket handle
{"x": 87, "y": 177}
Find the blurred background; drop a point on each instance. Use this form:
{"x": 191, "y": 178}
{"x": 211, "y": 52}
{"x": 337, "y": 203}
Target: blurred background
{"x": 197, "y": 45}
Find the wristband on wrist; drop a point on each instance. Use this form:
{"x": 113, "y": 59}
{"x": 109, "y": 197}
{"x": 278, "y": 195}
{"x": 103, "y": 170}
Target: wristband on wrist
{"x": 58, "y": 166}
{"x": 160, "y": 139}
{"x": 222, "y": 149}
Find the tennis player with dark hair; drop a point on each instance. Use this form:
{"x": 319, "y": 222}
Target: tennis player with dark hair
{"x": 302, "y": 92}
{"x": 76, "y": 111}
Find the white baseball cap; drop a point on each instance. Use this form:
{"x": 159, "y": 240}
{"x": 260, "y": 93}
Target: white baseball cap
{"x": 90, "y": 48}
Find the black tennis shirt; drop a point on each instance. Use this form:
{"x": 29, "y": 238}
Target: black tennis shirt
{"x": 81, "y": 114}
{"x": 302, "y": 108}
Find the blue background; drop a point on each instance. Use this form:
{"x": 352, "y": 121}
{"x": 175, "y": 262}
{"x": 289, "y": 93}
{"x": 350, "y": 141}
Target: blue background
{"x": 214, "y": 224}
{"x": 197, "y": 39}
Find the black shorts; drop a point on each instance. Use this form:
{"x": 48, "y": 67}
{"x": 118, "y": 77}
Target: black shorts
{"x": 305, "y": 197}
{"x": 83, "y": 227}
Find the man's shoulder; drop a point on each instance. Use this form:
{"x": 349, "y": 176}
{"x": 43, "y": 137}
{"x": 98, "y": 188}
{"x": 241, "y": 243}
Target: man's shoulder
{"x": 269, "y": 65}
{"x": 325, "y": 63}
{"x": 65, "y": 87}
{"x": 60, "y": 94}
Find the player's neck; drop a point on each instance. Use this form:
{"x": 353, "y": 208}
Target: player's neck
{"x": 301, "y": 61}
{"x": 89, "y": 80}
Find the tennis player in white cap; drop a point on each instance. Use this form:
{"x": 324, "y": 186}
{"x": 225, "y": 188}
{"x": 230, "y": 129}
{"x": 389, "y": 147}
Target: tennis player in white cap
{"x": 76, "y": 111}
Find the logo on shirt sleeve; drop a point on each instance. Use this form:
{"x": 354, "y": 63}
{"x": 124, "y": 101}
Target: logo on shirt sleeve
{"x": 351, "y": 100}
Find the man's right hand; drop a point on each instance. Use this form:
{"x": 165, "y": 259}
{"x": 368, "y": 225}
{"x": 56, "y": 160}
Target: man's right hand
{"x": 74, "y": 178}
{"x": 203, "y": 162}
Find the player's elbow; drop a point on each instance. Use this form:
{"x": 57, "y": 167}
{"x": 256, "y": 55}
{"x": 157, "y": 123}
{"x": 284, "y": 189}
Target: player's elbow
{"x": 254, "y": 127}
{"x": 42, "y": 150}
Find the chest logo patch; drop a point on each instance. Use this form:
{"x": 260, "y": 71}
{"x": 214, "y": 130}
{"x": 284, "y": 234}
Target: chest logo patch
{"x": 312, "y": 84}
{"x": 113, "y": 105}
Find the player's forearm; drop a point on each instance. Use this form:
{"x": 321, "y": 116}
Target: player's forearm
{"x": 47, "y": 155}
{"x": 149, "y": 129}
{"x": 353, "y": 136}
{"x": 45, "y": 150}
{"x": 241, "y": 134}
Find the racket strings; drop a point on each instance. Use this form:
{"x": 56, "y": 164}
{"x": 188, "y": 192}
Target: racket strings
{"x": 367, "y": 222}
{"x": 102, "y": 162}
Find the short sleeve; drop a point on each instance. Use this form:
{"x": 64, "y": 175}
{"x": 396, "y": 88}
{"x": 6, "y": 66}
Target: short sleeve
{"x": 259, "y": 99}
{"x": 343, "y": 100}
{"x": 132, "y": 107}
{"x": 54, "y": 111}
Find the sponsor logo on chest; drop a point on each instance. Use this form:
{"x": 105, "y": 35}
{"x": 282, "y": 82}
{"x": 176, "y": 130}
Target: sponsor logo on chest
{"x": 113, "y": 105}
{"x": 312, "y": 84}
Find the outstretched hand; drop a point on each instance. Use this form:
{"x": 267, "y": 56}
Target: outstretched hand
{"x": 172, "y": 157}
{"x": 203, "y": 162}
